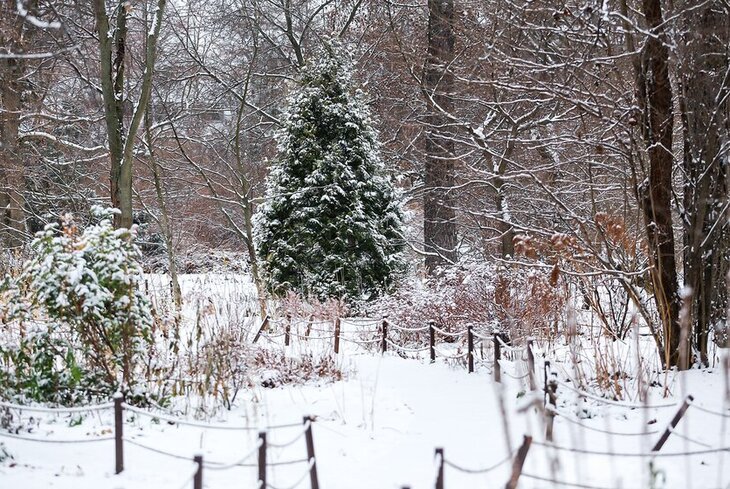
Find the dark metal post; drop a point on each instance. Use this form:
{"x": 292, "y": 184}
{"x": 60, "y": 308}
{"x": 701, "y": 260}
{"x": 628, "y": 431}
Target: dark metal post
{"x": 552, "y": 398}
{"x": 673, "y": 424}
{"x": 470, "y": 346}
{"x": 337, "y": 335}
{"x": 432, "y": 341}
{"x": 440, "y": 473}
{"x": 518, "y": 462}
{"x": 287, "y": 330}
{"x": 264, "y": 324}
{"x": 497, "y": 356}
{"x": 262, "y": 460}
{"x": 119, "y": 433}
{"x": 313, "y": 480}
{"x": 198, "y": 477}
{"x": 531, "y": 365}
{"x": 385, "y": 336}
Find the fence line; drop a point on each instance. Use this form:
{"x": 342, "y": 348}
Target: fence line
{"x": 630, "y": 454}
{"x": 570, "y": 419}
{"x": 710, "y": 411}
{"x": 199, "y": 424}
{"x": 615, "y": 403}
{"x": 477, "y": 471}
{"x": 58, "y": 410}
{"x": 562, "y": 483}
{"x": 60, "y": 442}
{"x": 301, "y": 478}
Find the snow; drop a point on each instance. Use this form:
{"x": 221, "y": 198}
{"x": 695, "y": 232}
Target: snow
{"x": 380, "y": 425}
{"x": 378, "y": 428}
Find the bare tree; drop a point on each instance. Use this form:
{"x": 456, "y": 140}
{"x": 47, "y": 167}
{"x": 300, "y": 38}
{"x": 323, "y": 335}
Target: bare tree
{"x": 112, "y": 26}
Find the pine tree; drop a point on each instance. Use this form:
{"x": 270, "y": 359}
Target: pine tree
{"x": 331, "y": 224}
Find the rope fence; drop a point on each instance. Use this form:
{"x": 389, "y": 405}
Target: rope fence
{"x": 259, "y": 451}
{"x": 388, "y": 334}
{"x": 258, "y": 456}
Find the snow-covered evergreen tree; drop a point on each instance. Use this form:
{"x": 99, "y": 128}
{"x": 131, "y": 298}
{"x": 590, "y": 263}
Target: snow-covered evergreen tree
{"x": 331, "y": 224}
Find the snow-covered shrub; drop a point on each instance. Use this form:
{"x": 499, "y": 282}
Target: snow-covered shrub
{"x": 522, "y": 302}
{"x": 85, "y": 286}
{"x": 331, "y": 222}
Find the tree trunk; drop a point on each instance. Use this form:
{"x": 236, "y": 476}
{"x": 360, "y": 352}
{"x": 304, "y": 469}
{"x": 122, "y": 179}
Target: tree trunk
{"x": 439, "y": 218}
{"x": 655, "y": 100}
{"x": 704, "y": 66}
{"x": 121, "y": 142}
{"x": 12, "y": 177}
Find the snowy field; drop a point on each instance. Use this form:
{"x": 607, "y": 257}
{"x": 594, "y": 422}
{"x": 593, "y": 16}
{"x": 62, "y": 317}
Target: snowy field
{"x": 379, "y": 426}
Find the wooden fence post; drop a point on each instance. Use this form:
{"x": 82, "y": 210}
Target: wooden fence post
{"x": 673, "y": 424}
{"x": 440, "y": 472}
{"x": 118, "y": 432}
{"x": 470, "y": 347}
{"x": 262, "y": 460}
{"x": 264, "y": 324}
{"x": 385, "y": 336}
{"x": 309, "y": 325}
{"x": 198, "y": 477}
{"x": 337, "y": 335}
{"x": 313, "y": 480}
{"x": 531, "y": 365}
{"x": 497, "y": 357}
{"x": 432, "y": 341}
{"x": 552, "y": 398}
{"x": 287, "y": 330}
{"x": 518, "y": 463}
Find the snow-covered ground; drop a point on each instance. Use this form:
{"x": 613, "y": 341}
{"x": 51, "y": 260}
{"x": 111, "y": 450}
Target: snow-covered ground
{"x": 378, "y": 428}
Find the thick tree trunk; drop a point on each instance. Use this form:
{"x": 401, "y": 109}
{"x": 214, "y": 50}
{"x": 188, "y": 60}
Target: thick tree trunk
{"x": 655, "y": 100}
{"x": 12, "y": 177}
{"x": 704, "y": 102}
{"x": 439, "y": 218}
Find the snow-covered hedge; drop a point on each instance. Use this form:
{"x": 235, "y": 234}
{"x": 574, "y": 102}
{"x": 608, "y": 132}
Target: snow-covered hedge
{"x": 79, "y": 299}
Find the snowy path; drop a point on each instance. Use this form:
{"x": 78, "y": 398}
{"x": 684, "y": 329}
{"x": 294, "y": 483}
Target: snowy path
{"x": 378, "y": 429}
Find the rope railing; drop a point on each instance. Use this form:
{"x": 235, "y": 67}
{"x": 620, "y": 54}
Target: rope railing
{"x": 710, "y": 411}
{"x": 298, "y": 481}
{"x": 199, "y": 424}
{"x": 237, "y": 463}
{"x": 443, "y": 332}
{"x": 570, "y": 419}
{"x": 483, "y": 470}
{"x": 56, "y": 441}
{"x": 448, "y": 356}
{"x": 615, "y": 403}
{"x": 510, "y": 347}
{"x": 409, "y": 330}
{"x": 583, "y": 451}
{"x": 190, "y": 477}
{"x": 560, "y": 483}
{"x": 292, "y": 441}
{"x": 58, "y": 410}
{"x": 405, "y": 348}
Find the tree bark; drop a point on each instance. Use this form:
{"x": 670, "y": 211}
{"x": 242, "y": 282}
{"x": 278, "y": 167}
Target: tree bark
{"x": 704, "y": 59}
{"x": 655, "y": 101}
{"x": 12, "y": 177}
{"x": 121, "y": 142}
{"x": 439, "y": 218}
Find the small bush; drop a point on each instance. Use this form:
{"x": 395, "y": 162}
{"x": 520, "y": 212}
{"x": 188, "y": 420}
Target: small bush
{"x": 84, "y": 286}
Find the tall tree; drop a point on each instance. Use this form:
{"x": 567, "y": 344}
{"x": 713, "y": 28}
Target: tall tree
{"x": 112, "y": 52}
{"x": 16, "y": 39}
{"x": 704, "y": 74}
{"x": 439, "y": 216}
{"x": 331, "y": 225}
{"x": 655, "y": 100}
